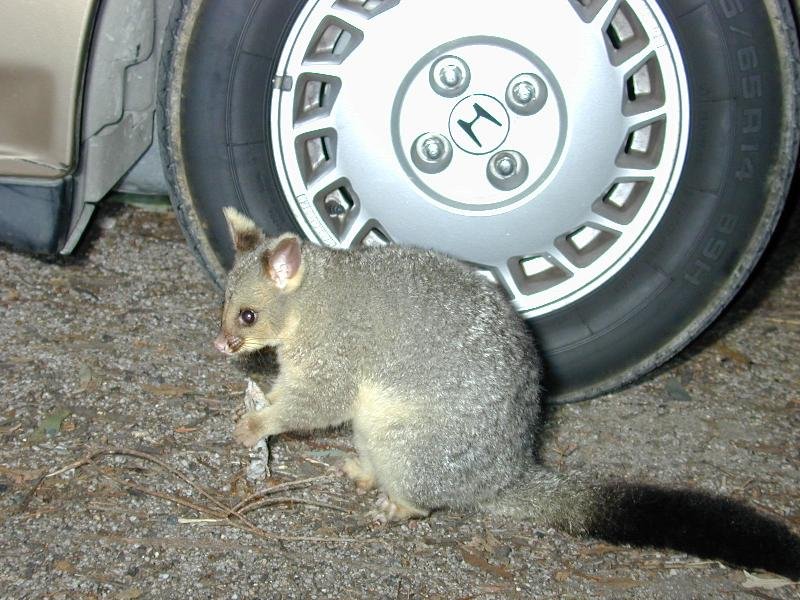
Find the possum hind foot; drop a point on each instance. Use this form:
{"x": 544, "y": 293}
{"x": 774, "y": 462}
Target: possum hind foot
{"x": 394, "y": 509}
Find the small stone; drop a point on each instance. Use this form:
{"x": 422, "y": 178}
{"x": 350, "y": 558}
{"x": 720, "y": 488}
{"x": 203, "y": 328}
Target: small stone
{"x": 676, "y": 391}
{"x": 107, "y": 223}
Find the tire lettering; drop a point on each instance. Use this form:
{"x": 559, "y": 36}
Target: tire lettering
{"x": 699, "y": 269}
{"x": 731, "y": 8}
{"x": 712, "y": 250}
{"x": 747, "y": 170}
{"x": 751, "y": 122}
{"x": 747, "y": 57}
{"x": 727, "y": 224}
{"x": 751, "y": 87}
{"x": 750, "y": 119}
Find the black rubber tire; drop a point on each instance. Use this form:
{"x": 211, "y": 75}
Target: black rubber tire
{"x": 742, "y": 67}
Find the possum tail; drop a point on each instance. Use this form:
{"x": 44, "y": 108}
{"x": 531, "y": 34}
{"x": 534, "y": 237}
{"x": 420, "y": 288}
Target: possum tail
{"x": 639, "y": 514}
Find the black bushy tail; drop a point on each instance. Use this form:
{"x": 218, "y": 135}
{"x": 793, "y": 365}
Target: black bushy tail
{"x": 694, "y": 522}
{"x": 640, "y": 514}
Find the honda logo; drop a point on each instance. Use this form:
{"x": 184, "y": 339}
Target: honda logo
{"x": 479, "y": 124}
{"x": 480, "y": 113}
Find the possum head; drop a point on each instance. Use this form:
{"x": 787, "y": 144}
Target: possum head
{"x": 265, "y": 274}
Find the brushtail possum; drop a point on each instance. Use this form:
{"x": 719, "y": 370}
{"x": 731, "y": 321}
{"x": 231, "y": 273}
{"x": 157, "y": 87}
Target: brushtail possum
{"x": 439, "y": 377}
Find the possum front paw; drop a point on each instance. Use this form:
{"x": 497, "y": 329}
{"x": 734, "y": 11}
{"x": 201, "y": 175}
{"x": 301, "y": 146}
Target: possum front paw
{"x": 251, "y": 428}
{"x": 363, "y": 478}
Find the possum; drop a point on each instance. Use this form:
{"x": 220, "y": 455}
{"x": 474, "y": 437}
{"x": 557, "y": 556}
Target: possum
{"x": 440, "y": 378}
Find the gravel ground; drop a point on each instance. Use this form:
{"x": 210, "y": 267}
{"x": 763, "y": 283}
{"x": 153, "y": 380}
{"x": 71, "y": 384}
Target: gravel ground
{"x": 111, "y": 350}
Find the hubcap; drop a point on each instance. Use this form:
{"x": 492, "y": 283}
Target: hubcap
{"x": 540, "y": 144}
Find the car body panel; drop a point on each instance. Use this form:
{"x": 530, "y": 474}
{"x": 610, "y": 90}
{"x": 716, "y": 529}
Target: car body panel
{"x": 42, "y": 56}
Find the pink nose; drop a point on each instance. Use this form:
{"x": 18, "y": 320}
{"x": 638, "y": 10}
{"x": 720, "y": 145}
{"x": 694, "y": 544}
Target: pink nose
{"x": 221, "y": 344}
{"x": 228, "y": 344}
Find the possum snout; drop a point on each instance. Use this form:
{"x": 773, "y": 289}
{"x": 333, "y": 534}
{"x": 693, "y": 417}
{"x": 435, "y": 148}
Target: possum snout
{"x": 228, "y": 344}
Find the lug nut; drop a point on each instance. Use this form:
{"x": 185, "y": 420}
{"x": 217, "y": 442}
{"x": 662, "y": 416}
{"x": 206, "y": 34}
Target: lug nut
{"x": 337, "y": 204}
{"x": 523, "y": 92}
{"x": 431, "y": 153}
{"x": 505, "y": 165}
{"x": 432, "y": 148}
{"x": 507, "y": 170}
{"x": 526, "y": 94}
{"x": 335, "y": 209}
{"x": 449, "y": 76}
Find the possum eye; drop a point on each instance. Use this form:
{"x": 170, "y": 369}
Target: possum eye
{"x": 247, "y": 316}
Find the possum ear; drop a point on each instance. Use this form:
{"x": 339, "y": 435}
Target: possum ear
{"x": 283, "y": 263}
{"x": 245, "y": 234}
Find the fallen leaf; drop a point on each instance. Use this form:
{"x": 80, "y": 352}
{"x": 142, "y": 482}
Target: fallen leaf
{"x": 50, "y": 425}
{"x": 168, "y": 390}
{"x": 52, "y": 422}
{"x": 64, "y": 566}
{"x": 765, "y": 582}
{"x": 489, "y": 545}
{"x": 59, "y": 284}
{"x": 11, "y": 296}
{"x": 87, "y": 378}
{"x": 734, "y": 355}
{"x": 485, "y": 565}
{"x": 774, "y": 449}
{"x": 619, "y": 583}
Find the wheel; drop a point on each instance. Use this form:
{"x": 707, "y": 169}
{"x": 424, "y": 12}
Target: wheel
{"x": 616, "y": 165}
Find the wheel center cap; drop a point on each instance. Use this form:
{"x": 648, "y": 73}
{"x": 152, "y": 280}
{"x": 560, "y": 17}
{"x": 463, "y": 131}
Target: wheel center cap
{"x": 479, "y": 124}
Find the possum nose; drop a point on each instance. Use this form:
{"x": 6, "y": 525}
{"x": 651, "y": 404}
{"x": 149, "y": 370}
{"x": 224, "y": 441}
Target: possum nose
{"x": 221, "y": 344}
{"x": 228, "y": 344}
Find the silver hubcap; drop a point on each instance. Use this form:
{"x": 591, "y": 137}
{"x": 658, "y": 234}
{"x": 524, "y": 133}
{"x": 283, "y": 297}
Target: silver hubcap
{"x": 541, "y": 144}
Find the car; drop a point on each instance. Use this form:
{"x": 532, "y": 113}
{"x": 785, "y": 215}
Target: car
{"x": 617, "y": 166}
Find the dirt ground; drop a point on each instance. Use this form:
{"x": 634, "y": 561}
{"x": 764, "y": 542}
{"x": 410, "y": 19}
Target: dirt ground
{"x": 118, "y": 473}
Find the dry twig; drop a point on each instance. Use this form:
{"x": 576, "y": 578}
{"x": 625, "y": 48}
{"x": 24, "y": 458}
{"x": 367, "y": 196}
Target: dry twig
{"x": 289, "y": 485}
{"x": 232, "y": 516}
{"x": 291, "y": 500}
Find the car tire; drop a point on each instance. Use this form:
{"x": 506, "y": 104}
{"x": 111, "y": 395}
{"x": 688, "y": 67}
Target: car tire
{"x": 741, "y": 64}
